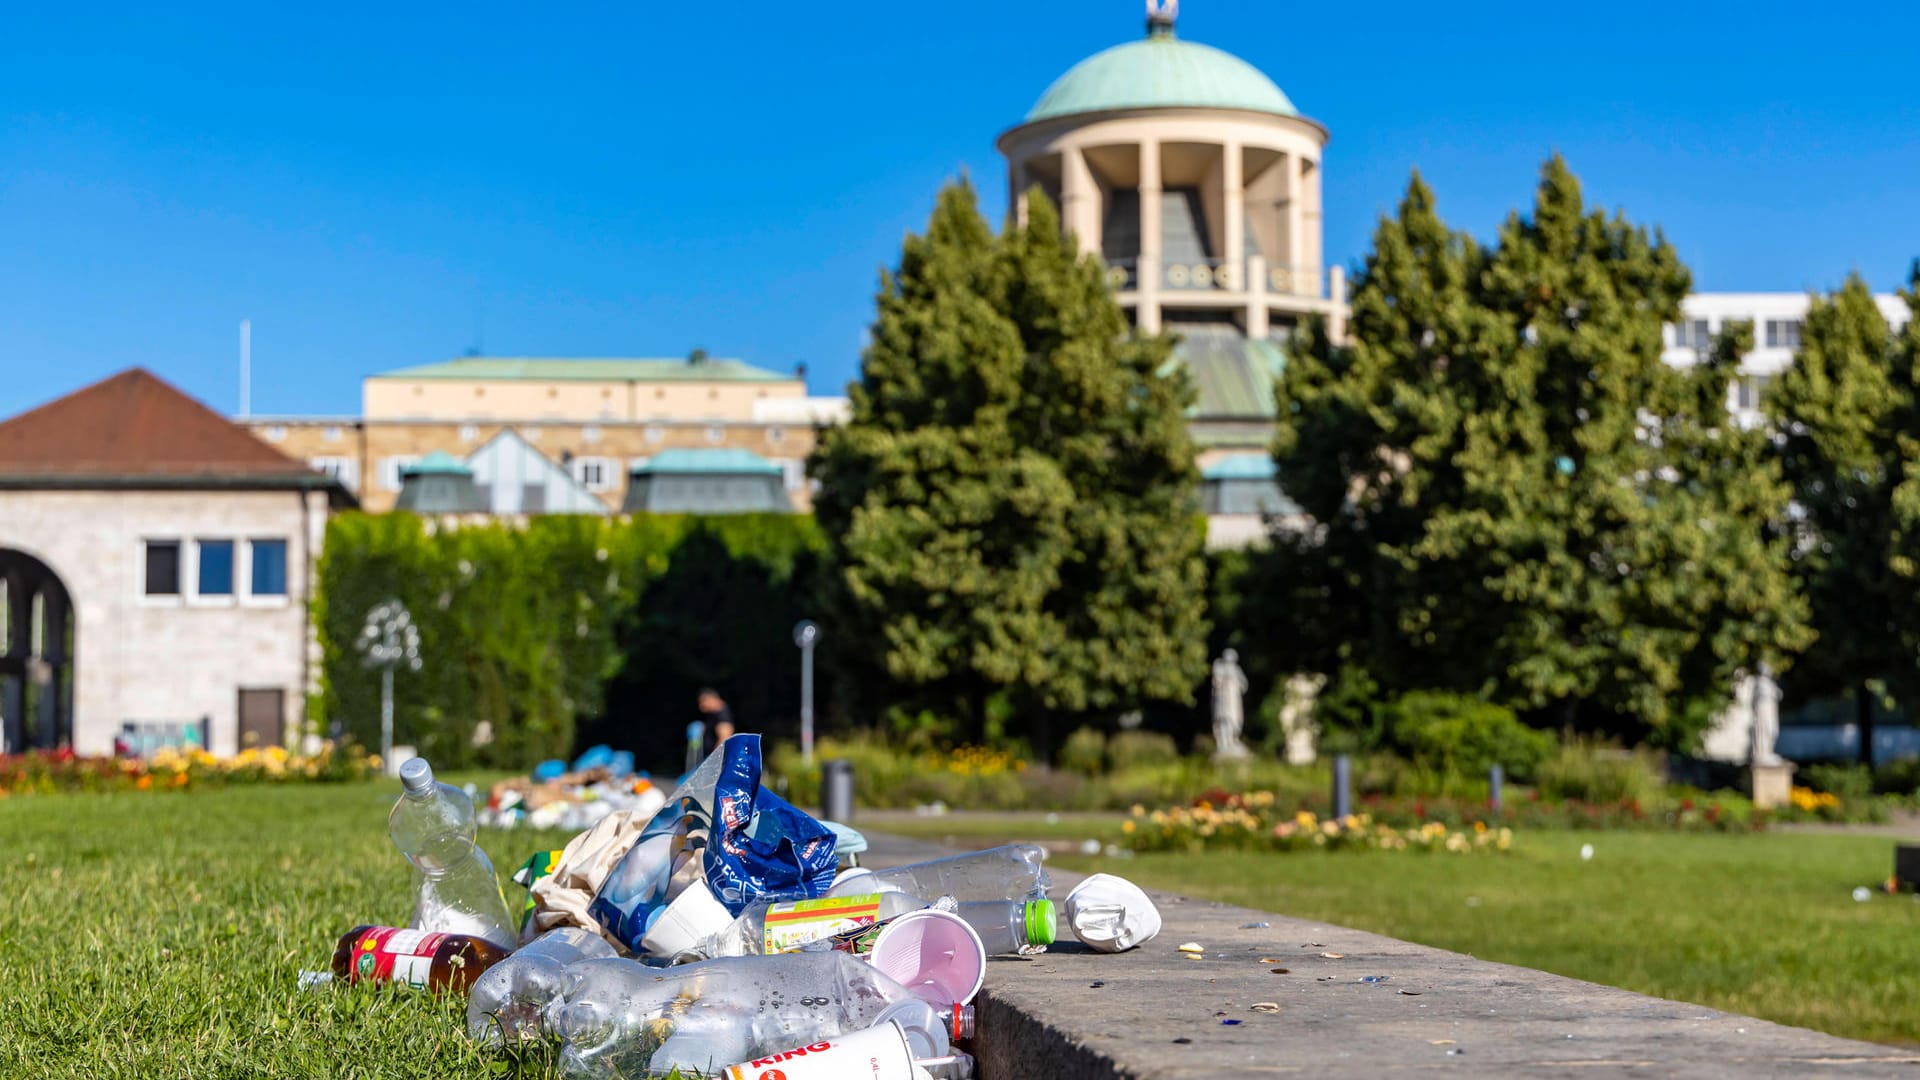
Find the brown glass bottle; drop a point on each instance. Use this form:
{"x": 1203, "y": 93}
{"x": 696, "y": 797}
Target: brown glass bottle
{"x": 413, "y": 958}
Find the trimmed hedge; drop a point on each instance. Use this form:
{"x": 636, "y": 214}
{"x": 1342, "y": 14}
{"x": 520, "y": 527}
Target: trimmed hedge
{"x": 528, "y": 630}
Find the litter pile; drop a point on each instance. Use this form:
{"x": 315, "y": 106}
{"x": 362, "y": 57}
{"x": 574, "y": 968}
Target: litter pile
{"x": 600, "y": 782}
{"x": 713, "y": 931}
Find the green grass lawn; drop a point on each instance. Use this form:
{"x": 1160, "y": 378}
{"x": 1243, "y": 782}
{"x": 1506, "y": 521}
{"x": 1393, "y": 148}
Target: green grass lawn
{"x": 1763, "y": 924}
{"x": 152, "y": 935}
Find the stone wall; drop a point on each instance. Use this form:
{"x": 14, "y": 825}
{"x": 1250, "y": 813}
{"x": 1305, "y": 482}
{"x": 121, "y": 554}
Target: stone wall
{"x": 182, "y": 658}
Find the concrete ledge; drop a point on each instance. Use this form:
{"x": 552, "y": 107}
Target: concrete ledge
{"x": 1158, "y": 1016}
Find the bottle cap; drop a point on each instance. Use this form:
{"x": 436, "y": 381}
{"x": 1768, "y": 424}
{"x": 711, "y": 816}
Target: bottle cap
{"x": 962, "y": 1022}
{"x": 1041, "y": 924}
{"x": 416, "y": 776}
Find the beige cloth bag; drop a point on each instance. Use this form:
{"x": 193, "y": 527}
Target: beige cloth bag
{"x": 563, "y": 897}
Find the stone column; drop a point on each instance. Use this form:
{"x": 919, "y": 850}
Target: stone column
{"x": 1148, "y": 316}
{"x": 1234, "y": 221}
{"x": 1017, "y": 192}
{"x": 1296, "y": 253}
{"x": 1079, "y": 199}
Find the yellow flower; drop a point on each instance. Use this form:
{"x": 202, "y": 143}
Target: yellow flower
{"x": 1126, "y": 826}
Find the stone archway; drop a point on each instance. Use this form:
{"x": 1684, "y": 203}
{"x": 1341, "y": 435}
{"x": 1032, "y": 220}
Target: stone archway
{"x": 37, "y": 634}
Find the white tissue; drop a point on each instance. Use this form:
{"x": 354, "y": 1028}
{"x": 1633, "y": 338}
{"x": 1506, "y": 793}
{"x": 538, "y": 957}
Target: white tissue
{"x": 1111, "y": 914}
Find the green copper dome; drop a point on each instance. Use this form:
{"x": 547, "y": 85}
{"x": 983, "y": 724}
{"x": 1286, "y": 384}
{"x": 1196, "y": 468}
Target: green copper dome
{"x": 1158, "y": 73}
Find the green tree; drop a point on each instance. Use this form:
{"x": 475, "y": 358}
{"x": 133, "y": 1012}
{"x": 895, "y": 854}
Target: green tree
{"x": 1516, "y": 494}
{"x": 1845, "y": 417}
{"x": 1009, "y": 509}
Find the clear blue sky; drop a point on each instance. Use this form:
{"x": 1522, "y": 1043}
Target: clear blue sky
{"x": 382, "y": 185}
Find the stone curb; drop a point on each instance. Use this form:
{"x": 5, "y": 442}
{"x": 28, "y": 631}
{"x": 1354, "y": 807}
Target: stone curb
{"x": 1154, "y": 1014}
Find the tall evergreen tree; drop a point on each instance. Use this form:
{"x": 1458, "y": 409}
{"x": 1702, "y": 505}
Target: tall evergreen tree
{"x": 1010, "y": 507}
{"x": 1840, "y": 411}
{"x": 1529, "y": 503}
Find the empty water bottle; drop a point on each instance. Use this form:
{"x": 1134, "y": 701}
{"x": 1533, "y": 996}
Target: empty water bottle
{"x": 623, "y": 1018}
{"x": 1004, "y": 926}
{"x": 456, "y": 891}
{"x": 1007, "y": 927}
{"x": 509, "y": 1002}
{"x": 1013, "y": 872}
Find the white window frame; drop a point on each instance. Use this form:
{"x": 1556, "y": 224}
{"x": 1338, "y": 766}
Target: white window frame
{"x": 275, "y": 432}
{"x": 606, "y": 467}
{"x": 196, "y": 598}
{"x": 340, "y": 467}
{"x": 392, "y": 469}
{"x": 793, "y": 473}
{"x": 331, "y": 433}
{"x": 261, "y": 600}
{"x": 469, "y": 432}
{"x": 716, "y": 434}
{"x": 182, "y": 590}
{"x": 590, "y": 434}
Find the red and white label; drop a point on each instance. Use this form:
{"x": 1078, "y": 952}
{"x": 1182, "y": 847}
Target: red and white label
{"x": 879, "y": 1053}
{"x": 385, "y": 954}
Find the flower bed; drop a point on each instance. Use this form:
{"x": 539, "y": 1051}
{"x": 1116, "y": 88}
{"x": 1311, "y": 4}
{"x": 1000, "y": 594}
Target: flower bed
{"x": 1250, "y": 822}
{"x": 45, "y": 772}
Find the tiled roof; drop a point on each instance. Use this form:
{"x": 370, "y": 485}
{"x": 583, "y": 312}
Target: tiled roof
{"x": 1234, "y": 374}
{"x": 134, "y": 427}
{"x": 597, "y": 369}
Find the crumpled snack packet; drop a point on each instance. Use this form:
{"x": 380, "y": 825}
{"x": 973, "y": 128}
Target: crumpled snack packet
{"x": 1111, "y": 914}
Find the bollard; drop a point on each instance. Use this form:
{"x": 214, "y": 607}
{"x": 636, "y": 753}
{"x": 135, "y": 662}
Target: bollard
{"x": 836, "y": 791}
{"x": 1342, "y": 786}
{"x": 1496, "y": 787}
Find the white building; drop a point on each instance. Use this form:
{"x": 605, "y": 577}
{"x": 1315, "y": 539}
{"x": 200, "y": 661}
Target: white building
{"x": 1777, "y": 319}
{"x": 156, "y": 566}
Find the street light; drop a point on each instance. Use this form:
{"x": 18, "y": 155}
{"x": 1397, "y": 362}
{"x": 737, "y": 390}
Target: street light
{"x": 806, "y": 635}
{"x": 387, "y": 640}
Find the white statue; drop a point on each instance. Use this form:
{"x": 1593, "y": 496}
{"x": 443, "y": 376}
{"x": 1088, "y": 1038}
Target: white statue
{"x": 1229, "y": 715}
{"x": 1766, "y": 718}
{"x": 1296, "y": 718}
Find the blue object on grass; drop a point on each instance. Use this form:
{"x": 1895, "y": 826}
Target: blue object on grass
{"x": 549, "y": 770}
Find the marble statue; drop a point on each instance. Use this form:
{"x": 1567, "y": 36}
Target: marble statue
{"x": 1229, "y": 711}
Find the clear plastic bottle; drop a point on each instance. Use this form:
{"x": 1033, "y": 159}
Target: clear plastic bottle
{"x": 1013, "y": 872}
{"x": 457, "y": 893}
{"x": 623, "y": 1018}
{"x": 510, "y": 1001}
{"x": 1005, "y": 927}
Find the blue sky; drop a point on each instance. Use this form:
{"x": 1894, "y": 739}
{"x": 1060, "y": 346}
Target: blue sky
{"x": 377, "y": 186}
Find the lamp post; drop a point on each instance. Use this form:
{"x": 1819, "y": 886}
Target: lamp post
{"x": 806, "y": 635}
{"x": 387, "y": 640}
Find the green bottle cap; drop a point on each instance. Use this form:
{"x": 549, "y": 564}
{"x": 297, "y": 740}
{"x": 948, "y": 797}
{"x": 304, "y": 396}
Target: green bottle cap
{"x": 1040, "y": 922}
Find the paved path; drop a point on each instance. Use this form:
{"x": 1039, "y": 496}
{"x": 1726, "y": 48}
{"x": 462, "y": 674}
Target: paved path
{"x": 1152, "y": 1014}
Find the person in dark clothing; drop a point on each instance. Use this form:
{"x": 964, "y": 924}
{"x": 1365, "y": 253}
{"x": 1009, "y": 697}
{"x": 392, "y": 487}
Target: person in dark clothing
{"x": 718, "y": 718}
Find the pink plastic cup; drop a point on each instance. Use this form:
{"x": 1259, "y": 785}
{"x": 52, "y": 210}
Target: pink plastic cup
{"x": 933, "y": 953}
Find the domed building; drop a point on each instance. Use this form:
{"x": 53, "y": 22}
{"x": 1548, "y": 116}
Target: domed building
{"x": 1197, "y": 181}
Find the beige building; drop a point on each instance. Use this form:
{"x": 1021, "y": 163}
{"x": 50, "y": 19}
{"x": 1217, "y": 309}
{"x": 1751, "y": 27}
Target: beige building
{"x": 156, "y": 563}
{"x": 597, "y": 418}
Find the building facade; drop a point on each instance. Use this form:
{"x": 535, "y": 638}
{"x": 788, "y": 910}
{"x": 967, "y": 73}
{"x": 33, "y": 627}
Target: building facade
{"x": 156, "y": 564}
{"x": 595, "y": 419}
{"x": 1777, "y": 319}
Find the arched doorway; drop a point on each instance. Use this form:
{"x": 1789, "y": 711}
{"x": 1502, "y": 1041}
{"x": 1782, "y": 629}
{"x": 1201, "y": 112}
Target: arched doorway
{"x": 36, "y": 656}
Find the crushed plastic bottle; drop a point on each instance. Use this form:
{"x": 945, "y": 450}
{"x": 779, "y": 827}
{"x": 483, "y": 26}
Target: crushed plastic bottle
{"x": 621, "y": 1018}
{"x": 1012, "y": 872}
{"x": 433, "y": 826}
{"x": 1004, "y": 926}
{"x": 508, "y": 1002}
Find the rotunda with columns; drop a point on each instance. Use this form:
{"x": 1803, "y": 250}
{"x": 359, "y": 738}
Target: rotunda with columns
{"x": 1193, "y": 177}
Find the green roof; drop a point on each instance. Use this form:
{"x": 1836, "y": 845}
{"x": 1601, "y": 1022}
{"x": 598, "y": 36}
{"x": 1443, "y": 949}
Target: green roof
{"x": 1241, "y": 467}
{"x": 708, "y": 462}
{"x": 1161, "y": 72}
{"x": 589, "y": 369}
{"x": 1233, "y": 374}
{"x": 438, "y": 463}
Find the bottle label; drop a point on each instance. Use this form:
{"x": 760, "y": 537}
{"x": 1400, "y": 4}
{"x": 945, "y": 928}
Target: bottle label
{"x": 879, "y": 1053}
{"x": 385, "y": 954}
{"x": 790, "y": 926}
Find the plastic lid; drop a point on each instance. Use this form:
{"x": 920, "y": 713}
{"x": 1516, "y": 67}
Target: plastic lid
{"x": 416, "y": 776}
{"x": 1041, "y": 925}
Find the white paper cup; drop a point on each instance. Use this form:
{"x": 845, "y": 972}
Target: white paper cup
{"x": 693, "y": 917}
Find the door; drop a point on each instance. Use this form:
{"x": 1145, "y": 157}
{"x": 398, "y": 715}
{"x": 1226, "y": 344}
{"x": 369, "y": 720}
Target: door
{"x": 263, "y": 718}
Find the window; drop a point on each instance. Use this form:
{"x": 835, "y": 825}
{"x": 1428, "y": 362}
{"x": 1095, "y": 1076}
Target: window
{"x": 793, "y": 473}
{"x": 1749, "y": 390}
{"x": 163, "y": 568}
{"x": 715, "y": 433}
{"x": 469, "y": 432}
{"x": 269, "y": 567}
{"x": 595, "y": 473}
{"x": 342, "y": 469}
{"x": 590, "y": 434}
{"x": 531, "y": 434}
{"x": 331, "y": 433}
{"x": 1692, "y": 334}
{"x": 1783, "y": 333}
{"x": 776, "y": 434}
{"x": 276, "y": 432}
{"x": 391, "y": 469}
{"x": 216, "y": 568}
{"x": 655, "y": 433}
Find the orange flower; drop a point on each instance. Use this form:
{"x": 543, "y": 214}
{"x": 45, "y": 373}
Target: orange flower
{"x": 143, "y": 783}
{"x": 179, "y": 779}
